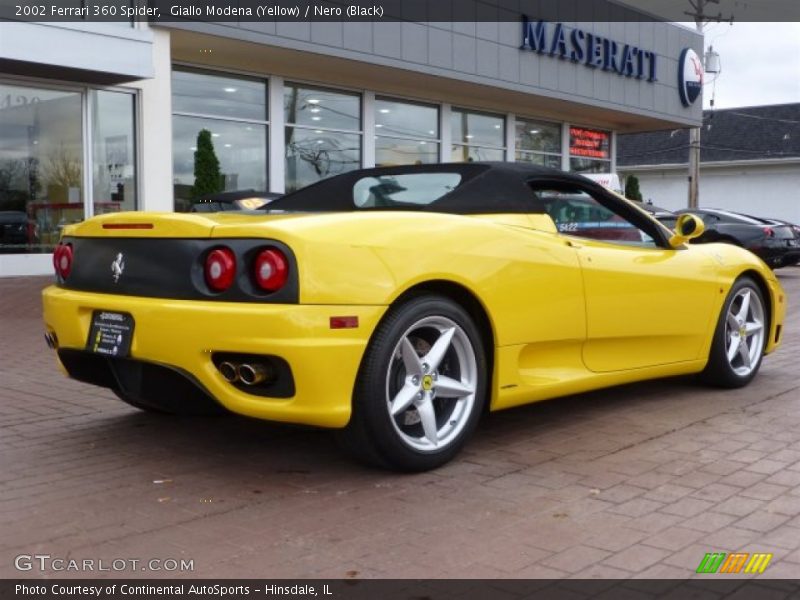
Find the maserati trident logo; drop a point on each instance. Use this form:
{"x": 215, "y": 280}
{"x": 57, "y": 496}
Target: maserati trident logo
{"x": 690, "y": 76}
{"x": 117, "y": 267}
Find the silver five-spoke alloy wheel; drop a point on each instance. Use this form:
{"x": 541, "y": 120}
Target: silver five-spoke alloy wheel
{"x": 744, "y": 331}
{"x": 431, "y": 383}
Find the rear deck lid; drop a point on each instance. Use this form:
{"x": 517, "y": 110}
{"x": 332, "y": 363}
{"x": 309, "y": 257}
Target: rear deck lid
{"x": 167, "y": 225}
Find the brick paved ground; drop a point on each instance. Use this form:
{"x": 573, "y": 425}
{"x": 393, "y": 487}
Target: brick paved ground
{"x": 638, "y": 481}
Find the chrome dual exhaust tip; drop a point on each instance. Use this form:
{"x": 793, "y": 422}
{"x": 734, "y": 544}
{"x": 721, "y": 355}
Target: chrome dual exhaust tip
{"x": 248, "y": 374}
{"x": 228, "y": 371}
{"x": 252, "y": 374}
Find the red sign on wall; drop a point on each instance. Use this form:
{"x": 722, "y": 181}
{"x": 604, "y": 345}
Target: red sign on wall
{"x": 589, "y": 143}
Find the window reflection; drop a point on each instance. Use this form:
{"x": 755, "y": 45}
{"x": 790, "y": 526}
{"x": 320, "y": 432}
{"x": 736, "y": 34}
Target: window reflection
{"x": 473, "y": 154}
{"x": 312, "y": 155}
{"x": 477, "y": 129}
{"x": 323, "y": 109}
{"x": 477, "y": 136}
{"x": 543, "y": 160}
{"x": 323, "y": 136}
{"x": 234, "y": 111}
{"x": 114, "y": 152}
{"x": 205, "y": 94}
{"x": 537, "y": 136}
{"x": 41, "y": 166}
{"x": 406, "y": 119}
{"x": 240, "y": 149}
{"x": 588, "y": 165}
{"x": 405, "y": 133}
{"x": 389, "y": 151}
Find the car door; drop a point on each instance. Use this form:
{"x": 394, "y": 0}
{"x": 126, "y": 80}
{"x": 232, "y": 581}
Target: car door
{"x": 646, "y": 303}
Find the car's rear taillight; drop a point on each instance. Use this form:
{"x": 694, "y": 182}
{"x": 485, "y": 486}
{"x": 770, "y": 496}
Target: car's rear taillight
{"x": 271, "y": 269}
{"x": 62, "y": 260}
{"x": 768, "y": 231}
{"x": 220, "y": 269}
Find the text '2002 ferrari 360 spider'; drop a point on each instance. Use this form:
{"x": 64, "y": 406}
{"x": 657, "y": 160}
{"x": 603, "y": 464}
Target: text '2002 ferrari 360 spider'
{"x": 398, "y": 304}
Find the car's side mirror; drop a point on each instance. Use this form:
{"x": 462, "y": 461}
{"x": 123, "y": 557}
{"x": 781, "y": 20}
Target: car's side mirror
{"x": 688, "y": 227}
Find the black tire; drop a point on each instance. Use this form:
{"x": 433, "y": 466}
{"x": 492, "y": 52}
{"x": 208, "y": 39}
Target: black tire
{"x": 720, "y": 371}
{"x": 378, "y": 438}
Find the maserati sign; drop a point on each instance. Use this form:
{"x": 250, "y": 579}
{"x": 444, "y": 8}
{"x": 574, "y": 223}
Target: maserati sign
{"x": 690, "y": 76}
{"x": 594, "y": 51}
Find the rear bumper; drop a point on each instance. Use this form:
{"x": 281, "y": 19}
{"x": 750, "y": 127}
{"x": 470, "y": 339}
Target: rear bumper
{"x": 182, "y": 335}
{"x": 791, "y": 258}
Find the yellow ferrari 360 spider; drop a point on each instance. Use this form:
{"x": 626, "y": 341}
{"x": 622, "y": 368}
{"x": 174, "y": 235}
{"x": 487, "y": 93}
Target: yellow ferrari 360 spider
{"x": 399, "y": 304}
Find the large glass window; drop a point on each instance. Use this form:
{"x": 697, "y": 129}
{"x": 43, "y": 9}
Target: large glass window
{"x": 220, "y": 126}
{"x": 41, "y": 166}
{"x": 222, "y": 96}
{"x": 323, "y": 134}
{"x": 589, "y": 150}
{"x": 538, "y": 142}
{"x": 240, "y": 149}
{"x": 406, "y": 133}
{"x": 113, "y": 151}
{"x": 477, "y": 136}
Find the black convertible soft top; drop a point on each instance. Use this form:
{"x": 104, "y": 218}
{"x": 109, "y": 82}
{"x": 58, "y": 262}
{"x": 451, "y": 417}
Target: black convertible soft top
{"x": 485, "y": 188}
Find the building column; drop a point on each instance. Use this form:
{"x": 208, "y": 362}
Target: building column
{"x": 155, "y": 129}
{"x": 511, "y": 137}
{"x": 613, "y": 150}
{"x": 368, "y": 129}
{"x": 565, "y": 147}
{"x": 277, "y": 137}
{"x": 87, "y": 110}
{"x": 446, "y": 133}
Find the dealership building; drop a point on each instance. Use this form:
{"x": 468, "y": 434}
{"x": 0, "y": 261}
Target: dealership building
{"x": 104, "y": 117}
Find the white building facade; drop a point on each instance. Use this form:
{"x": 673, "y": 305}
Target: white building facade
{"x": 103, "y": 117}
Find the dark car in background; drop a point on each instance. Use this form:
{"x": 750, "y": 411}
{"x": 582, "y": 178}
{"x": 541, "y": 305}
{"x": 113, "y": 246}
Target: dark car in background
{"x": 792, "y": 259}
{"x": 776, "y": 243}
{"x": 666, "y": 217}
{"x": 18, "y": 233}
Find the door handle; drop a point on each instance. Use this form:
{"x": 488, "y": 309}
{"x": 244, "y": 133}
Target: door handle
{"x": 573, "y": 244}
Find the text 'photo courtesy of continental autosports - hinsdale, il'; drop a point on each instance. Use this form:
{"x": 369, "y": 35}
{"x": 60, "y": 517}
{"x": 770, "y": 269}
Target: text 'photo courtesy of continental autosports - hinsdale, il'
{"x": 397, "y": 305}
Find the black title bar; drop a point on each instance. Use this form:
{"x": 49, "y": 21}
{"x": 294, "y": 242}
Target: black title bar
{"x": 165, "y": 11}
{"x": 477, "y": 589}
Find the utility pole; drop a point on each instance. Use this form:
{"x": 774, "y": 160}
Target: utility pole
{"x": 694, "y": 167}
{"x": 694, "y": 132}
{"x": 700, "y": 19}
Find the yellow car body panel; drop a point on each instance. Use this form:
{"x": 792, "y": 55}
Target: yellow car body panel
{"x": 566, "y": 314}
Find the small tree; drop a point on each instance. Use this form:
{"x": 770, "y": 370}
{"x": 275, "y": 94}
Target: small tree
{"x": 632, "y": 191}
{"x": 207, "y": 176}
